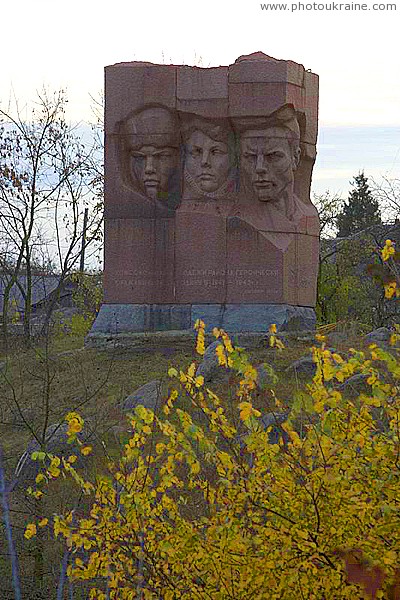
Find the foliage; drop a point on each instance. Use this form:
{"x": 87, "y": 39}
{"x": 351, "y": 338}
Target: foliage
{"x": 209, "y": 508}
{"x": 388, "y": 272}
{"x": 87, "y": 296}
{"x": 361, "y": 210}
{"x": 345, "y": 292}
{"x": 88, "y": 293}
{"x": 47, "y": 179}
{"x": 328, "y": 206}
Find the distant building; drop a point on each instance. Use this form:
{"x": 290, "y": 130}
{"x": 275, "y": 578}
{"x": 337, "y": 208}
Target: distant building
{"x": 43, "y": 287}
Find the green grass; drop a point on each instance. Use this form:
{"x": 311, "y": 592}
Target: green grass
{"x": 94, "y": 382}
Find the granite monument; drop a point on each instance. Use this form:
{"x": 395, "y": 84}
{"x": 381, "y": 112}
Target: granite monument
{"x": 207, "y": 197}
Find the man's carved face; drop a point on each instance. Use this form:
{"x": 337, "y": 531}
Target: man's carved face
{"x": 152, "y": 142}
{"x": 207, "y": 161}
{"x": 153, "y": 167}
{"x": 268, "y": 162}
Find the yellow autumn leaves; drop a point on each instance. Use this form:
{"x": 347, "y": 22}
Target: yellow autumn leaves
{"x": 388, "y": 250}
{"x": 247, "y": 410}
{"x": 391, "y": 287}
{"x": 75, "y": 424}
{"x": 211, "y": 507}
{"x": 31, "y": 529}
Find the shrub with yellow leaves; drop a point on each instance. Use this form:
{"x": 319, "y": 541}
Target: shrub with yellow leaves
{"x": 388, "y": 272}
{"x": 214, "y": 510}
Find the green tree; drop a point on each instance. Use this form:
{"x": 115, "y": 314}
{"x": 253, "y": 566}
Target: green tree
{"x": 360, "y": 211}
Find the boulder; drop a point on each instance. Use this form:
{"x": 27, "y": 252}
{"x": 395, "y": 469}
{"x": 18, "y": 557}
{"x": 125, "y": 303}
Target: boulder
{"x": 378, "y": 336}
{"x": 56, "y": 443}
{"x": 210, "y": 368}
{"x": 150, "y": 395}
{"x": 275, "y": 419}
{"x": 304, "y": 366}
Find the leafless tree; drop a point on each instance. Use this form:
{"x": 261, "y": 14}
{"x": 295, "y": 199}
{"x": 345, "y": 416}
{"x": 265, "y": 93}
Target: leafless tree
{"x": 48, "y": 176}
{"x": 388, "y": 193}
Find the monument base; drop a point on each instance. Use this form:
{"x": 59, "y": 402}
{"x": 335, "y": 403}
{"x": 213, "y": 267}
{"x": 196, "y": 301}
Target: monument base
{"x": 116, "y": 319}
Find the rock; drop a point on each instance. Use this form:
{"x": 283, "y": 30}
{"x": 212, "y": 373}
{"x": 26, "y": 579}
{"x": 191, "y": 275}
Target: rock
{"x": 275, "y": 420}
{"x": 337, "y": 337}
{"x": 150, "y": 395}
{"x": 299, "y": 318}
{"x": 378, "y": 336}
{"x": 56, "y": 443}
{"x": 303, "y": 366}
{"x": 209, "y": 367}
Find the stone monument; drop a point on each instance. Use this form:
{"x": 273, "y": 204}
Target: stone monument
{"x": 207, "y": 197}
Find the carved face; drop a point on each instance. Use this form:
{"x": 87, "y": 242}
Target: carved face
{"x": 268, "y": 162}
{"x": 207, "y": 161}
{"x": 153, "y": 168}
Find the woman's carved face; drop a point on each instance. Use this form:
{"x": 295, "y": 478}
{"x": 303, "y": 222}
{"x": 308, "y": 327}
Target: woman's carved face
{"x": 207, "y": 161}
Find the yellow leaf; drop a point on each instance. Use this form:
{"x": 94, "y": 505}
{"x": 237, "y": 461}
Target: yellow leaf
{"x": 43, "y": 522}
{"x": 390, "y": 289}
{"x": 220, "y": 352}
{"x": 39, "y": 478}
{"x": 30, "y": 531}
{"x": 195, "y": 468}
{"x": 245, "y": 410}
{"x": 199, "y": 324}
{"x": 388, "y": 250}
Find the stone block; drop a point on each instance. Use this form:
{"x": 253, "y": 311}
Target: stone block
{"x": 310, "y": 107}
{"x": 130, "y": 318}
{"x": 261, "y": 98}
{"x": 258, "y": 317}
{"x": 194, "y": 83}
{"x": 307, "y": 258}
{"x": 132, "y": 85}
{"x": 254, "y": 264}
{"x": 139, "y": 261}
{"x": 214, "y": 108}
{"x": 266, "y": 71}
{"x": 200, "y": 257}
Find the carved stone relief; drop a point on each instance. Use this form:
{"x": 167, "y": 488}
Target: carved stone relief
{"x": 224, "y": 157}
{"x": 209, "y": 158}
{"x": 150, "y": 154}
{"x": 269, "y": 157}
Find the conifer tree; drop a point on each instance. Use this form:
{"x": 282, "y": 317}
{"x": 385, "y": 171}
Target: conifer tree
{"x": 360, "y": 211}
